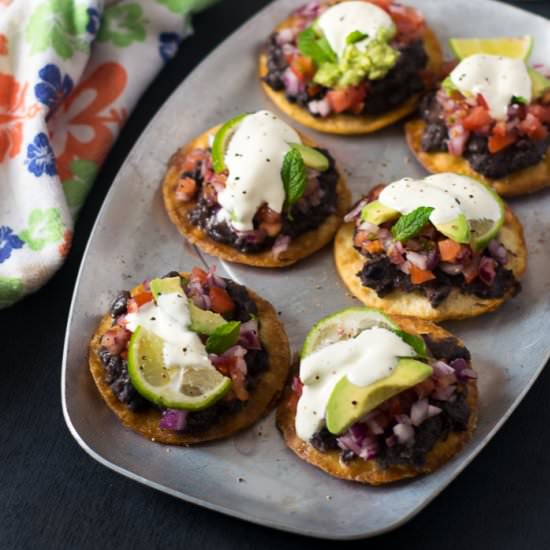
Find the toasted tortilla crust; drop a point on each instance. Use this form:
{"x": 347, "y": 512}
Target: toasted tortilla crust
{"x": 262, "y": 399}
{"x": 302, "y": 246}
{"x": 521, "y": 182}
{"x": 457, "y": 305}
{"x": 369, "y": 471}
{"x": 348, "y": 123}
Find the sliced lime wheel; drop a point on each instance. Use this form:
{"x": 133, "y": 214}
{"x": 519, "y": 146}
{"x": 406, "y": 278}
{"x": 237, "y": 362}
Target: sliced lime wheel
{"x": 174, "y": 387}
{"x": 517, "y": 47}
{"x": 220, "y": 142}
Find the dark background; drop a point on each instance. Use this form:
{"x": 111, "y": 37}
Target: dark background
{"x": 53, "y": 495}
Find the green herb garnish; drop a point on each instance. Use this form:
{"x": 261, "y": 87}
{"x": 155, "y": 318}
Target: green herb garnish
{"x": 410, "y": 224}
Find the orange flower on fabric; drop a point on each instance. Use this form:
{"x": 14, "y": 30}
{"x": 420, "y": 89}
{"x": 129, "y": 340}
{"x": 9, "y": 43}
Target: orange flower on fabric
{"x": 84, "y": 124}
{"x": 3, "y": 44}
{"x": 12, "y": 114}
{"x": 65, "y": 246}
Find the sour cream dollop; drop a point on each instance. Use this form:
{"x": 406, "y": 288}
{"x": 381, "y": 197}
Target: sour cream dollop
{"x": 342, "y": 19}
{"x": 496, "y": 78}
{"x": 254, "y": 159}
{"x": 365, "y": 359}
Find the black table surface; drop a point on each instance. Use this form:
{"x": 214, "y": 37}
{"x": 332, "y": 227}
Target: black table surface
{"x": 53, "y": 495}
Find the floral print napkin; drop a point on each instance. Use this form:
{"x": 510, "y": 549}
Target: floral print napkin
{"x": 70, "y": 72}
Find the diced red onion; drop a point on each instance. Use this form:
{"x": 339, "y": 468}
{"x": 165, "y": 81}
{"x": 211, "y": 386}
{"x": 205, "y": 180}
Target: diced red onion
{"x": 357, "y": 440}
{"x": 248, "y": 337}
{"x": 458, "y": 136}
{"x": 115, "y": 339}
{"x": 433, "y": 411}
{"x": 405, "y": 267}
{"x": 451, "y": 269}
{"x": 289, "y": 49}
{"x": 372, "y": 421}
{"x": 213, "y": 279}
{"x": 498, "y": 252}
{"x": 441, "y": 369}
{"x": 541, "y": 68}
{"x": 419, "y": 260}
{"x": 458, "y": 364}
{"x": 419, "y": 412}
{"x": 395, "y": 253}
{"x": 280, "y": 246}
{"x": 404, "y": 434}
{"x": 432, "y": 260}
{"x": 297, "y": 386}
{"x": 292, "y": 85}
{"x": 359, "y": 431}
{"x": 354, "y": 213}
{"x": 310, "y": 10}
{"x": 319, "y": 107}
{"x": 403, "y": 419}
{"x": 369, "y": 227}
{"x": 201, "y": 300}
{"x": 174, "y": 420}
{"x": 391, "y": 441}
{"x": 285, "y": 36}
{"x": 468, "y": 374}
{"x": 487, "y": 272}
{"x": 444, "y": 394}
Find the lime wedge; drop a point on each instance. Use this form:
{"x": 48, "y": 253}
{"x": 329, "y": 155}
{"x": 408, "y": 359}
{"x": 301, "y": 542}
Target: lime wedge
{"x": 343, "y": 324}
{"x": 517, "y": 47}
{"x": 175, "y": 387}
{"x": 539, "y": 81}
{"x": 220, "y": 142}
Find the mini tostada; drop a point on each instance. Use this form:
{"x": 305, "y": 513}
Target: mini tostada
{"x": 255, "y": 191}
{"x": 189, "y": 357}
{"x": 443, "y": 247}
{"x": 379, "y": 399}
{"x": 349, "y": 67}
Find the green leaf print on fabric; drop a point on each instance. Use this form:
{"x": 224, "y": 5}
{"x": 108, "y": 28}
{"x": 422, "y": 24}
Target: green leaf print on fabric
{"x": 11, "y": 289}
{"x": 58, "y": 24}
{"x": 76, "y": 189}
{"x": 186, "y": 6}
{"x": 45, "y": 227}
{"x": 122, "y": 24}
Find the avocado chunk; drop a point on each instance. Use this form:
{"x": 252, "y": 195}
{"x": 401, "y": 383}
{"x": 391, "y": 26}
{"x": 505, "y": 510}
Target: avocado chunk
{"x": 348, "y": 403}
{"x": 539, "y": 82}
{"x": 204, "y": 322}
{"x": 170, "y": 285}
{"x": 377, "y": 213}
{"x": 311, "y": 157}
{"x": 458, "y": 229}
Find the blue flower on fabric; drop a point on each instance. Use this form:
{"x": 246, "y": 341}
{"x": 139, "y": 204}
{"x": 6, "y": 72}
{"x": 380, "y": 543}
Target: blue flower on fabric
{"x": 40, "y": 156}
{"x": 53, "y": 88}
{"x": 93, "y": 22}
{"x": 168, "y": 45}
{"x": 8, "y": 241}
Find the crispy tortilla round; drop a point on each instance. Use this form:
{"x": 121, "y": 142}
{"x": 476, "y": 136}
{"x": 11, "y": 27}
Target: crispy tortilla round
{"x": 369, "y": 471}
{"x": 521, "y": 182}
{"x": 302, "y": 246}
{"x": 348, "y": 124}
{"x": 457, "y": 305}
{"x": 262, "y": 398}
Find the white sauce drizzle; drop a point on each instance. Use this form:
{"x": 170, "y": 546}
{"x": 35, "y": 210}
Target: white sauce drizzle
{"x": 342, "y": 19}
{"x": 254, "y": 159}
{"x": 496, "y": 78}
{"x": 367, "y": 358}
{"x": 449, "y": 194}
{"x": 169, "y": 319}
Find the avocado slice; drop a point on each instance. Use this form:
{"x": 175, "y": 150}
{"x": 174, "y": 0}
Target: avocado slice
{"x": 458, "y": 229}
{"x": 348, "y": 403}
{"x": 539, "y": 82}
{"x": 202, "y": 321}
{"x": 377, "y": 213}
{"x": 311, "y": 157}
{"x": 170, "y": 285}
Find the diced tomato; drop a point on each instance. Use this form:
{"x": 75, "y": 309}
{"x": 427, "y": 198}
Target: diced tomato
{"x": 360, "y": 238}
{"x": 374, "y": 247}
{"x": 542, "y": 112}
{"x": 132, "y": 306}
{"x": 477, "y": 118}
{"x": 239, "y": 384}
{"x": 186, "y": 189}
{"x": 394, "y": 406}
{"x": 533, "y": 127}
{"x": 313, "y": 90}
{"x": 271, "y": 222}
{"x": 193, "y": 158}
{"x": 115, "y": 339}
{"x": 198, "y": 274}
{"x": 297, "y": 386}
{"x": 471, "y": 270}
{"x": 500, "y": 138}
{"x": 419, "y": 276}
{"x": 143, "y": 298}
{"x": 481, "y": 101}
{"x": 221, "y": 301}
{"x": 271, "y": 229}
{"x": 303, "y": 67}
{"x": 347, "y": 99}
{"x": 449, "y": 250}
{"x": 447, "y": 67}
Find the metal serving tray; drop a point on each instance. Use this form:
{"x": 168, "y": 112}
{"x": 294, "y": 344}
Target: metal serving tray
{"x": 253, "y": 476}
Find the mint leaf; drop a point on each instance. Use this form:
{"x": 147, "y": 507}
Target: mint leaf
{"x": 410, "y": 224}
{"x": 317, "y": 48}
{"x": 294, "y": 177}
{"x": 416, "y": 342}
{"x": 519, "y": 99}
{"x": 223, "y": 337}
{"x": 355, "y": 36}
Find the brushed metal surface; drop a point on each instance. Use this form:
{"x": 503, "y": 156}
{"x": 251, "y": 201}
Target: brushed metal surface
{"x": 254, "y": 476}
